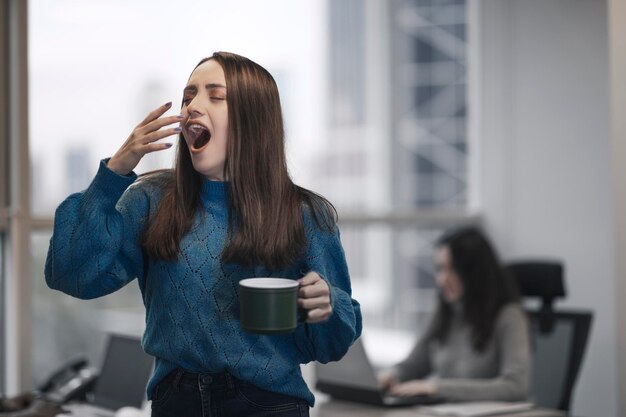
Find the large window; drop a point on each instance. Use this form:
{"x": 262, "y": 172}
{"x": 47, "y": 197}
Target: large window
{"x": 373, "y": 94}
{"x": 96, "y": 69}
{"x": 395, "y": 157}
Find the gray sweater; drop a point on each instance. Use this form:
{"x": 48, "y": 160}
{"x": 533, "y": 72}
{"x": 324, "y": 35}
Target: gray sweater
{"x": 460, "y": 373}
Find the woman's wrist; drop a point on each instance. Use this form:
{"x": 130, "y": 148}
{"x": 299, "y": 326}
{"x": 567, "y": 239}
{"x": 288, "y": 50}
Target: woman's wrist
{"x": 433, "y": 388}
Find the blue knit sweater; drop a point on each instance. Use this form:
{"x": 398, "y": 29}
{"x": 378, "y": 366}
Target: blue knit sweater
{"x": 192, "y": 305}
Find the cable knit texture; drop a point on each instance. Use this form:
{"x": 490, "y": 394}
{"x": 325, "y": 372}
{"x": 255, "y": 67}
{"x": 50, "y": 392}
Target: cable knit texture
{"x": 192, "y": 304}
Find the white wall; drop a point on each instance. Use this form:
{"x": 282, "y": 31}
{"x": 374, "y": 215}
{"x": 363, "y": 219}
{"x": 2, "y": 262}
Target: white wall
{"x": 546, "y": 159}
{"x": 617, "y": 48}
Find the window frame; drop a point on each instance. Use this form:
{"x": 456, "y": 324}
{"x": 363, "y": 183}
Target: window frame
{"x": 379, "y": 108}
{"x": 17, "y": 221}
{"x": 15, "y": 213}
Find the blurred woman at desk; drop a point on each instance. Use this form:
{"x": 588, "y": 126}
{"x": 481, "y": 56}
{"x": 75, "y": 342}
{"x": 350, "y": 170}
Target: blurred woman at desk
{"x": 476, "y": 346}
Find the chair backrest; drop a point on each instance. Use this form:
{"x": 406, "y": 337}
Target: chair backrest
{"x": 559, "y": 337}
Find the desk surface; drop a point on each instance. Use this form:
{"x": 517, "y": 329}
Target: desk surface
{"x": 328, "y": 407}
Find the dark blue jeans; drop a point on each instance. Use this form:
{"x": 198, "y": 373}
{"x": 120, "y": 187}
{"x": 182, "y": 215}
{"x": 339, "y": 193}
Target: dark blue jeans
{"x": 184, "y": 394}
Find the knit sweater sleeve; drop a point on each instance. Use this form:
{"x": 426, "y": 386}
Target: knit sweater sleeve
{"x": 330, "y": 340}
{"x": 511, "y": 336}
{"x": 94, "y": 247}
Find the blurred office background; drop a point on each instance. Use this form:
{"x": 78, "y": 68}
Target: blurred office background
{"x": 411, "y": 116}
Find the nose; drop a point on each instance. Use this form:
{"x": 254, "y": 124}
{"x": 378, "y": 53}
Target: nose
{"x": 193, "y": 111}
{"x": 193, "y": 108}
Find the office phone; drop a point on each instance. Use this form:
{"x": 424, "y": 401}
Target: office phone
{"x": 69, "y": 383}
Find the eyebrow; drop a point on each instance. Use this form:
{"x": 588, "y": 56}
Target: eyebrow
{"x": 210, "y": 86}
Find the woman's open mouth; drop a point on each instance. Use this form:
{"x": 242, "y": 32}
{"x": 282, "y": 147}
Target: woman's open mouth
{"x": 199, "y": 137}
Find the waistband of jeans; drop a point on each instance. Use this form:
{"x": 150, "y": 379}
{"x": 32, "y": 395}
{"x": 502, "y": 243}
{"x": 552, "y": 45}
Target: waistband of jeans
{"x": 214, "y": 380}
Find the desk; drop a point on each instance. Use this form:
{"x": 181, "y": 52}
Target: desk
{"x": 328, "y": 407}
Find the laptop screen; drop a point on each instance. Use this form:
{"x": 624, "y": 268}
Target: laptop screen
{"x": 354, "y": 369}
{"x": 353, "y": 378}
{"x": 124, "y": 375}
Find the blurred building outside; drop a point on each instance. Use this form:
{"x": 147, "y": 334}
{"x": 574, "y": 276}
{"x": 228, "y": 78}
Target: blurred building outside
{"x": 382, "y": 133}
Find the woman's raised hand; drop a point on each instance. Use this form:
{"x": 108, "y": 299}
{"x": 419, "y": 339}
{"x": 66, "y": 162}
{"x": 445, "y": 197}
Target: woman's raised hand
{"x": 141, "y": 140}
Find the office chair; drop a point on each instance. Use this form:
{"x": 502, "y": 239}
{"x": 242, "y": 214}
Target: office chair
{"x": 559, "y": 337}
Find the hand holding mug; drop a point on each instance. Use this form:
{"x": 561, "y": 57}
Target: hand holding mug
{"x": 314, "y": 298}
{"x": 270, "y": 305}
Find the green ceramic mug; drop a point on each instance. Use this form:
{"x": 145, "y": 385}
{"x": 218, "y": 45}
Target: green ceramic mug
{"x": 268, "y": 305}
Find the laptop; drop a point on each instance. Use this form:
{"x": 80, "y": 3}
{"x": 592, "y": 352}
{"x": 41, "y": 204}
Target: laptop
{"x": 122, "y": 381}
{"x": 353, "y": 378}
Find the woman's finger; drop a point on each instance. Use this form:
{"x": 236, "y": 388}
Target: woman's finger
{"x": 313, "y": 291}
{"x": 400, "y": 390}
{"x": 318, "y": 315}
{"x": 160, "y": 122}
{"x": 415, "y": 387}
{"x": 160, "y": 134}
{"x": 317, "y": 309}
{"x": 309, "y": 279}
{"x": 311, "y": 303}
{"x": 153, "y": 147}
{"x": 386, "y": 381}
{"x": 156, "y": 113}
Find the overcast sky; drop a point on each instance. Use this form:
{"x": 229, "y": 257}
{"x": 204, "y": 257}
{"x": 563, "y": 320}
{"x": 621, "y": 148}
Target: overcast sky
{"x": 98, "y": 66}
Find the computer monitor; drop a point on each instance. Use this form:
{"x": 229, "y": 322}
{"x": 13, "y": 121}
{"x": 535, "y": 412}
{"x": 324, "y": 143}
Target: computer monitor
{"x": 124, "y": 374}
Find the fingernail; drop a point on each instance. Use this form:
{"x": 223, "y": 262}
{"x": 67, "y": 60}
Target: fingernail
{"x": 168, "y": 145}
{"x": 169, "y": 103}
{"x": 177, "y": 129}
{"x": 180, "y": 116}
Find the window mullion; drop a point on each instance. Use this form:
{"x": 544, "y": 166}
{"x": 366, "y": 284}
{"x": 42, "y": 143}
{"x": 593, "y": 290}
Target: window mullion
{"x": 17, "y": 215}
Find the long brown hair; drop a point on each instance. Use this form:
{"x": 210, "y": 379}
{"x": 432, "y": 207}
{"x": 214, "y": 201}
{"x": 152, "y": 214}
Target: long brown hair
{"x": 486, "y": 284}
{"x": 266, "y": 225}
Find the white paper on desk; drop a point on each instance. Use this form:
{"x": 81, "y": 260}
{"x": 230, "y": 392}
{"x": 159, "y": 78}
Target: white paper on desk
{"x": 476, "y": 409}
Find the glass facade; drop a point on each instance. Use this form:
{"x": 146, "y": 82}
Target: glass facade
{"x": 429, "y": 135}
{"x": 347, "y": 49}
{"x": 65, "y": 327}
{"x": 410, "y": 159}
{"x": 90, "y": 85}
{"x": 429, "y": 75}
{"x": 374, "y": 101}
